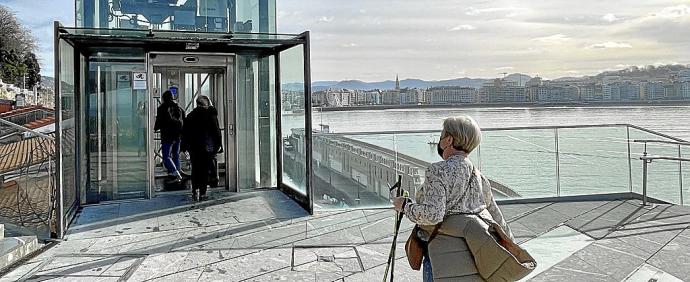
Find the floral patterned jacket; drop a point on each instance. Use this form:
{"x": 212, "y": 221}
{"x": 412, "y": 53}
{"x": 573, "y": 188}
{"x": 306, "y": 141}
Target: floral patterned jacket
{"x": 452, "y": 186}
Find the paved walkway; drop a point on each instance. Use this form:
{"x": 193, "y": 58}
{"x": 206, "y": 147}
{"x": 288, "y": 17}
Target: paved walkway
{"x": 264, "y": 236}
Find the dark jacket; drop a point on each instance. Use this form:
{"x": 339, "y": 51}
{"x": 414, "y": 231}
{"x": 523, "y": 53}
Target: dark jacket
{"x": 201, "y": 131}
{"x": 170, "y": 131}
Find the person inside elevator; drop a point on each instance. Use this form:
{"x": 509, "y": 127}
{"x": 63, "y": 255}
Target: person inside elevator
{"x": 201, "y": 137}
{"x": 169, "y": 120}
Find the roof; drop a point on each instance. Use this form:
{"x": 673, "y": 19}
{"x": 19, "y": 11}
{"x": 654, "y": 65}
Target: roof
{"x": 40, "y": 123}
{"x": 23, "y": 110}
{"x": 24, "y": 153}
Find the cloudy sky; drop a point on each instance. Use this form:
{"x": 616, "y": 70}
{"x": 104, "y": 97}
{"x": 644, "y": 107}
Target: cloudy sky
{"x": 441, "y": 39}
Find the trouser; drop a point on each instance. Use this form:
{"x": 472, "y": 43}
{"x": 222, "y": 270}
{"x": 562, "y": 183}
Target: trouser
{"x": 201, "y": 162}
{"x": 171, "y": 163}
{"x": 213, "y": 171}
{"x": 427, "y": 275}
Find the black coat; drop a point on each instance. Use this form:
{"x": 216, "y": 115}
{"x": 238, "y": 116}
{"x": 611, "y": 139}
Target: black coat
{"x": 201, "y": 131}
{"x": 169, "y": 131}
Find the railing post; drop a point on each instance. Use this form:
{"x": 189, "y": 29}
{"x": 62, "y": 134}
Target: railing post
{"x": 644, "y": 177}
{"x": 630, "y": 181}
{"x": 680, "y": 175}
{"x": 558, "y": 164}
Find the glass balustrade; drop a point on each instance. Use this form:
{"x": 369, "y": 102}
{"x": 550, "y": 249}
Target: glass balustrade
{"x": 530, "y": 162}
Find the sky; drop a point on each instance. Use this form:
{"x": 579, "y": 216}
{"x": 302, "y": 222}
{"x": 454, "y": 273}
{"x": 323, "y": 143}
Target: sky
{"x": 374, "y": 40}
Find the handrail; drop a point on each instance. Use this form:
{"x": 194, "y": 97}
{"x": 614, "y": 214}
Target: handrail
{"x": 647, "y": 159}
{"x": 651, "y": 158}
{"x": 661, "y": 141}
{"x": 488, "y": 129}
{"x": 22, "y": 128}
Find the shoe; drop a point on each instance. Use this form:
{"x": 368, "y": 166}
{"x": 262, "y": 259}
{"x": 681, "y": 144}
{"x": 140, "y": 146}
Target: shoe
{"x": 177, "y": 175}
{"x": 203, "y": 198}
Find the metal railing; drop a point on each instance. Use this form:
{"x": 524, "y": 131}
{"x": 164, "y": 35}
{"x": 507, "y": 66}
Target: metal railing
{"x": 573, "y": 159}
{"x": 648, "y": 159}
{"x": 28, "y": 174}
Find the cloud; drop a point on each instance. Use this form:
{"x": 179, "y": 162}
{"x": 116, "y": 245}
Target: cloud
{"x": 349, "y": 45}
{"x": 463, "y": 27}
{"x": 552, "y": 39}
{"x": 674, "y": 11}
{"x": 512, "y": 11}
{"x": 610, "y": 45}
{"x": 325, "y": 19}
{"x": 609, "y": 18}
{"x": 504, "y": 68}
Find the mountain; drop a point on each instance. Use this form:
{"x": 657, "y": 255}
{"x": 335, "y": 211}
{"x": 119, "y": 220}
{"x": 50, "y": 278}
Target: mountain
{"x": 390, "y": 84}
{"x": 521, "y": 79}
{"x": 47, "y": 82}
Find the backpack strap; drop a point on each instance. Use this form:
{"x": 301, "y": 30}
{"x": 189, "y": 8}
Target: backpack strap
{"x": 434, "y": 232}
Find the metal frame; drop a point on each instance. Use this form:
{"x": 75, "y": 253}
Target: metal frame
{"x": 59, "y": 228}
{"x": 304, "y": 199}
{"x": 229, "y": 102}
{"x": 232, "y": 44}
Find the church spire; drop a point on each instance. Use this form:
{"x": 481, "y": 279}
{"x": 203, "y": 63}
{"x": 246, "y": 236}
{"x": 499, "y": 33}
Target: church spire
{"x": 397, "y": 82}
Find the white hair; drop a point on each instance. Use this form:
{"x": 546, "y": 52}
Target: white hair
{"x": 203, "y": 101}
{"x": 465, "y": 131}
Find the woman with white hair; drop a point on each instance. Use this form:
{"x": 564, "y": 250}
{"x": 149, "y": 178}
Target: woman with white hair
{"x": 453, "y": 186}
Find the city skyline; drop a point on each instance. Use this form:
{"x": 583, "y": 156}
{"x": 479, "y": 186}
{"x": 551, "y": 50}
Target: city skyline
{"x": 380, "y": 39}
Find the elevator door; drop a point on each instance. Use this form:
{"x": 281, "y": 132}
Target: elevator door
{"x": 188, "y": 76}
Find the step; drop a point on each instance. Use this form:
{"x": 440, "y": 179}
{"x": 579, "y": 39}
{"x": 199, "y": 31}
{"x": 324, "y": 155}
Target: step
{"x": 13, "y": 249}
{"x": 2, "y": 231}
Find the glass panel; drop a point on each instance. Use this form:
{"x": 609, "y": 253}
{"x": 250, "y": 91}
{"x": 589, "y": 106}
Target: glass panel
{"x": 293, "y": 119}
{"x": 198, "y": 15}
{"x": 522, "y": 160}
{"x": 256, "y": 132}
{"x": 354, "y": 171}
{"x": 593, "y": 160}
{"x": 27, "y": 176}
{"x": 83, "y": 135}
{"x": 67, "y": 126}
{"x": 117, "y": 129}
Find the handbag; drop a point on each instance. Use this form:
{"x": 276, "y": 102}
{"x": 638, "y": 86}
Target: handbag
{"x": 416, "y": 248}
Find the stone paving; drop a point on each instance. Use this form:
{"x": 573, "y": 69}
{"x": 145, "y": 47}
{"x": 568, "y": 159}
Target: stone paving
{"x": 265, "y": 236}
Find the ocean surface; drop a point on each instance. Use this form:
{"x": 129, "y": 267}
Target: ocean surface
{"x": 531, "y": 162}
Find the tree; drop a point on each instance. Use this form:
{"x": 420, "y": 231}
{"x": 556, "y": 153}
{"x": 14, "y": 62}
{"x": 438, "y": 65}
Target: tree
{"x": 17, "y": 46}
{"x": 33, "y": 70}
{"x": 13, "y": 35}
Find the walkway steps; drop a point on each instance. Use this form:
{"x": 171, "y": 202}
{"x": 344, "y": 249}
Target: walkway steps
{"x": 13, "y": 249}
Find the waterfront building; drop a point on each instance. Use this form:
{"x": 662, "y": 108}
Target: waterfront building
{"x": 372, "y": 97}
{"x": 410, "y": 96}
{"x": 654, "y": 90}
{"x": 587, "y": 92}
{"x": 390, "y": 97}
{"x": 610, "y": 90}
{"x": 503, "y": 91}
{"x": 452, "y": 95}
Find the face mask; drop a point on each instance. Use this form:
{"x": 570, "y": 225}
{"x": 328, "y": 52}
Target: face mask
{"x": 439, "y": 150}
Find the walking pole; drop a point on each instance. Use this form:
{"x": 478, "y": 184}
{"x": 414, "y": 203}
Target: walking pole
{"x": 390, "y": 265}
